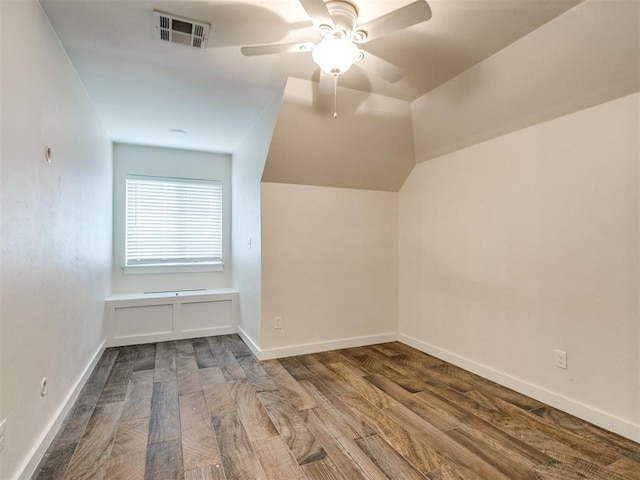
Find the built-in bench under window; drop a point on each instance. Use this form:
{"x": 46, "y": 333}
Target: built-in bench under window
{"x": 134, "y": 318}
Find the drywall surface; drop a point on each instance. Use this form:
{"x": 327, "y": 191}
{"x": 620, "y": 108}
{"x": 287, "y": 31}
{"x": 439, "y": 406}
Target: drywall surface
{"x": 586, "y": 56}
{"x": 56, "y": 231}
{"x": 1, "y": 163}
{"x": 528, "y": 243}
{"x": 369, "y": 146}
{"x": 168, "y": 162}
{"x": 329, "y": 264}
{"x": 248, "y": 164}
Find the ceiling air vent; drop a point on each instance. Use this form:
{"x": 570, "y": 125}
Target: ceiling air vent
{"x": 171, "y": 28}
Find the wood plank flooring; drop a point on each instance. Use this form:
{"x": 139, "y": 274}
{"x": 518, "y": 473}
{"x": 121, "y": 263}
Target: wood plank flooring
{"x": 206, "y": 409}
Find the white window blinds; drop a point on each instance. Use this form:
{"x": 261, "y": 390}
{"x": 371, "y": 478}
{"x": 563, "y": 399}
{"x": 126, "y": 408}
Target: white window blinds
{"x": 173, "y": 221}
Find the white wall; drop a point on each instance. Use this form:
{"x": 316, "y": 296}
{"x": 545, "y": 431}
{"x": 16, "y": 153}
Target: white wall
{"x": 248, "y": 164}
{"x": 528, "y": 243}
{"x": 1, "y": 163}
{"x": 329, "y": 267}
{"x": 168, "y": 162}
{"x": 56, "y": 231}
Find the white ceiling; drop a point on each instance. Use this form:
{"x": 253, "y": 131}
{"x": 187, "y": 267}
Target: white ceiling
{"x": 143, "y": 88}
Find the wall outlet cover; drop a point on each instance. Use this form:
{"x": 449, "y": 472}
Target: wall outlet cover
{"x": 561, "y": 359}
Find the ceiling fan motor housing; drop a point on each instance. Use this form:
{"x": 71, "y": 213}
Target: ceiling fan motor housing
{"x": 344, "y": 15}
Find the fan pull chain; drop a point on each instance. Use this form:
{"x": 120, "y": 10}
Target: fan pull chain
{"x": 335, "y": 96}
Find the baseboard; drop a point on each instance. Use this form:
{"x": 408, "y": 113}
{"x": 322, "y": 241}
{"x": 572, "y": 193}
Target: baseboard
{"x": 306, "y": 348}
{"x": 249, "y": 342}
{"x": 51, "y": 430}
{"x": 568, "y": 405}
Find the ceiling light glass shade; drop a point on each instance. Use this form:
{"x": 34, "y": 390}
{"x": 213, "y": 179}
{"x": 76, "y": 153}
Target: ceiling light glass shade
{"x": 335, "y": 55}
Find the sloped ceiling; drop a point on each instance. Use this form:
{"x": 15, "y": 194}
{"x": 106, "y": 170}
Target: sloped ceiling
{"x": 588, "y": 56}
{"x": 369, "y": 146}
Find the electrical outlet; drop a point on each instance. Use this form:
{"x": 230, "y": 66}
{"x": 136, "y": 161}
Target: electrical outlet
{"x": 3, "y": 429}
{"x": 277, "y": 323}
{"x": 561, "y": 359}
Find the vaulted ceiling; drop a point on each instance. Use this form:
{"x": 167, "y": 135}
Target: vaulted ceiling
{"x": 144, "y": 88}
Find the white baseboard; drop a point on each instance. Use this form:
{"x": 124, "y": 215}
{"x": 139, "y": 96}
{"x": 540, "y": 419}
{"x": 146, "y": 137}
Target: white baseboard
{"x": 306, "y": 348}
{"x": 592, "y": 415}
{"x": 249, "y": 342}
{"x": 49, "y": 433}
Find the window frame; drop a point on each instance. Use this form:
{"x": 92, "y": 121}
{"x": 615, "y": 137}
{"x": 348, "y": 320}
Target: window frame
{"x": 172, "y": 267}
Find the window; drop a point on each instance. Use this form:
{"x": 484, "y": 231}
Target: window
{"x": 173, "y": 221}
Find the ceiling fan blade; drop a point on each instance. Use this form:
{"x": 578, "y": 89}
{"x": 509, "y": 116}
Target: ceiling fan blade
{"x": 318, "y": 13}
{"x": 390, "y": 72}
{"x": 276, "y": 48}
{"x": 412, "y": 14}
{"x": 326, "y": 84}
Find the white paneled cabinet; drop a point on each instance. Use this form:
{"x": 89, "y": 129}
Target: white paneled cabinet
{"x": 155, "y": 317}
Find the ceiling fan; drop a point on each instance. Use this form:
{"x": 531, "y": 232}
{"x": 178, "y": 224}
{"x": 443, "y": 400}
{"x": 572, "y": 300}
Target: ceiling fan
{"x": 337, "y": 51}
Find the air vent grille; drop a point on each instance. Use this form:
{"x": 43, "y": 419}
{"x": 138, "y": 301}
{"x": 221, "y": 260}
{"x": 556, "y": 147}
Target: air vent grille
{"x": 174, "y": 29}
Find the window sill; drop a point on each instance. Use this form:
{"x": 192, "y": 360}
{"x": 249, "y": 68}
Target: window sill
{"x": 161, "y": 269}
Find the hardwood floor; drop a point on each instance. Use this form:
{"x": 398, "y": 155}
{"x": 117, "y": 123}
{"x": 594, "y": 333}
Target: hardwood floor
{"x": 206, "y": 409}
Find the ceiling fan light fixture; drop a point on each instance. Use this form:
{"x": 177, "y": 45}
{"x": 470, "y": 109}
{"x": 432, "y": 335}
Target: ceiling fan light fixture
{"x": 335, "y": 55}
